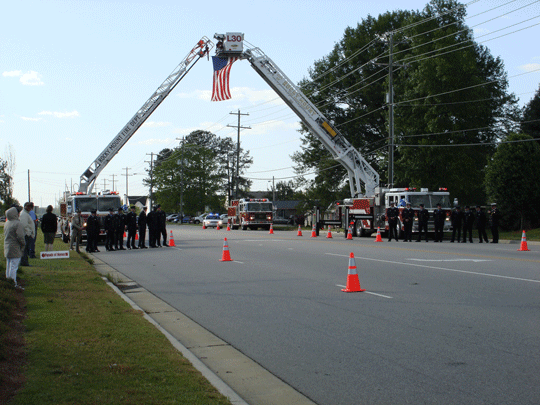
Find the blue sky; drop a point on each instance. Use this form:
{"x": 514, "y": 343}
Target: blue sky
{"x": 72, "y": 73}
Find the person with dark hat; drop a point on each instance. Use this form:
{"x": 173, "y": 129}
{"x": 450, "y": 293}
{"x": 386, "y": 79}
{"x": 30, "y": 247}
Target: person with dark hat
{"x": 142, "y": 229}
{"x": 392, "y": 215}
{"x": 151, "y": 220}
{"x": 92, "y": 232}
{"x": 423, "y": 218}
{"x": 108, "y": 223}
{"x": 468, "y": 221}
{"x": 439, "y": 216}
{"x": 408, "y": 218}
{"x": 494, "y": 218}
{"x": 131, "y": 223}
{"x": 162, "y": 226}
{"x": 481, "y": 224}
{"x": 456, "y": 217}
{"x": 119, "y": 228}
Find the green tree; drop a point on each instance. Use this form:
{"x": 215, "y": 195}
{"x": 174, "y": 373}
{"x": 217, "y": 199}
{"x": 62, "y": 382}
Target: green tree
{"x": 7, "y": 167}
{"x": 511, "y": 181}
{"x": 531, "y": 116}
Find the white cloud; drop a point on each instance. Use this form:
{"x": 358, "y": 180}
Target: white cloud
{"x": 530, "y": 67}
{"x": 13, "y": 73}
{"x": 30, "y": 78}
{"x": 57, "y": 114}
{"x": 153, "y": 124}
{"x": 30, "y": 119}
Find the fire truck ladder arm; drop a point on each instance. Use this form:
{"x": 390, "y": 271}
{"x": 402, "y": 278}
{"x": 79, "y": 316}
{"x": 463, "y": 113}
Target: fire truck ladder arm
{"x": 88, "y": 178}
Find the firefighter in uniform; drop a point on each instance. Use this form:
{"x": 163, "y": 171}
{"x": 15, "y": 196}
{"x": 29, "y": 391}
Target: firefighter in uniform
{"x": 423, "y": 218}
{"x": 494, "y": 219}
{"x": 151, "y": 220}
{"x": 408, "y": 219}
{"x": 439, "y": 217}
{"x": 108, "y": 223}
{"x": 92, "y": 232}
{"x": 142, "y": 229}
{"x": 119, "y": 228}
{"x": 468, "y": 221}
{"x": 131, "y": 222}
{"x": 161, "y": 226}
{"x": 481, "y": 224}
{"x": 392, "y": 214}
{"x": 456, "y": 217}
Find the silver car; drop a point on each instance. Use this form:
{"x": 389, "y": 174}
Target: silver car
{"x": 213, "y": 221}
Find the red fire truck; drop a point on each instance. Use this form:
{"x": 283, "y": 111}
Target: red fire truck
{"x": 250, "y": 213}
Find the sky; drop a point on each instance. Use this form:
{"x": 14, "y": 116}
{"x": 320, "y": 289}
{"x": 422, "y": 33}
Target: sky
{"x": 73, "y": 73}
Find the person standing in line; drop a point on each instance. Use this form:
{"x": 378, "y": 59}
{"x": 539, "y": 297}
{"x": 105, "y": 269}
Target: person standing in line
{"x": 131, "y": 223}
{"x": 423, "y": 218}
{"x": 494, "y": 218}
{"x": 439, "y": 216}
{"x": 481, "y": 224}
{"x": 151, "y": 220}
{"x": 29, "y": 231}
{"x": 468, "y": 221}
{"x": 14, "y": 244}
{"x": 49, "y": 225}
{"x": 408, "y": 219}
{"x": 392, "y": 214}
{"x": 108, "y": 223}
{"x": 456, "y": 217}
{"x": 32, "y": 245}
{"x": 142, "y": 229}
{"x": 162, "y": 227}
{"x": 77, "y": 225}
{"x": 92, "y": 232}
{"x": 119, "y": 228}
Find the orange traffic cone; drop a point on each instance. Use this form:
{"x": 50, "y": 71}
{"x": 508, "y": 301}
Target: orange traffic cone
{"x": 313, "y": 232}
{"x": 353, "y": 284}
{"x": 171, "y": 240}
{"x": 378, "y": 238}
{"x": 217, "y": 227}
{"x": 349, "y": 233}
{"x": 137, "y": 236}
{"x": 523, "y": 247}
{"x": 329, "y": 234}
{"x": 203, "y": 226}
{"x": 299, "y": 231}
{"x": 271, "y": 232}
{"x": 226, "y": 255}
{"x": 124, "y": 234}
{"x": 228, "y": 226}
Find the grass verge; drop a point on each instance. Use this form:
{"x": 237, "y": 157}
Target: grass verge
{"x": 85, "y": 345}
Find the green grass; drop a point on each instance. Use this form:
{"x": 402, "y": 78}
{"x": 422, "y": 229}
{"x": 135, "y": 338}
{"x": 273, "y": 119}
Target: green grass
{"x": 85, "y": 345}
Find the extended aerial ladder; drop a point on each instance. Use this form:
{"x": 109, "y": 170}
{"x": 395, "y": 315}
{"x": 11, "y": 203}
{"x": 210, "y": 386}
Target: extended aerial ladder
{"x": 90, "y": 175}
{"x": 358, "y": 169}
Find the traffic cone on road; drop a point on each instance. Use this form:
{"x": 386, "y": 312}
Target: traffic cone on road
{"x": 124, "y": 234}
{"x": 349, "y": 233}
{"x": 226, "y": 255}
{"x": 203, "y": 226}
{"x": 299, "y": 231}
{"x": 228, "y": 226}
{"x": 378, "y": 238}
{"x": 313, "y": 232}
{"x": 217, "y": 227}
{"x": 171, "y": 240}
{"x": 353, "y": 283}
{"x": 271, "y": 232}
{"x": 329, "y": 234}
{"x": 136, "y": 235}
{"x": 523, "y": 247}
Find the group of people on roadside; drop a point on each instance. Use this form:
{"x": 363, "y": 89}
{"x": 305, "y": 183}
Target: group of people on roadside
{"x": 20, "y": 233}
{"x": 460, "y": 220}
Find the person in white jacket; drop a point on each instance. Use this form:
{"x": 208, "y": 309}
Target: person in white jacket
{"x": 29, "y": 230}
{"x": 14, "y": 243}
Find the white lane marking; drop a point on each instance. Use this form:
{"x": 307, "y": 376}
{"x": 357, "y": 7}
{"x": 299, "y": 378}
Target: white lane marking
{"x": 440, "y": 268}
{"x": 367, "y": 292}
{"x": 236, "y": 261}
{"x": 450, "y": 260}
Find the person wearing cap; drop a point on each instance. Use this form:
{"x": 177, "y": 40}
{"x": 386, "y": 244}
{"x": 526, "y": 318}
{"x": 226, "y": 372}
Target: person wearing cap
{"x": 151, "y": 220}
{"x": 423, "y": 218}
{"x": 29, "y": 231}
{"x": 392, "y": 215}
{"x": 92, "y": 232}
{"x": 131, "y": 223}
{"x": 494, "y": 218}
{"x": 77, "y": 225}
{"x": 108, "y": 224}
{"x": 468, "y": 222}
{"x": 49, "y": 226}
{"x": 456, "y": 217}
{"x": 119, "y": 221}
{"x": 439, "y": 216}
{"x": 481, "y": 224}
{"x": 142, "y": 228}
{"x": 408, "y": 218}
{"x": 162, "y": 227}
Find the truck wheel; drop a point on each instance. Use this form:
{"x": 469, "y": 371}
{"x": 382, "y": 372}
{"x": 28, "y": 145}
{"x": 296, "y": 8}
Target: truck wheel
{"x": 360, "y": 231}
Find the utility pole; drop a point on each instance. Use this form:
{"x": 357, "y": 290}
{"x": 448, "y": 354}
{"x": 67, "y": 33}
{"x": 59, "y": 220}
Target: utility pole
{"x": 105, "y": 184}
{"x": 113, "y": 182}
{"x": 182, "y": 163}
{"x": 391, "y": 110}
{"x": 127, "y": 189}
{"x": 151, "y": 178}
{"x": 239, "y": 127}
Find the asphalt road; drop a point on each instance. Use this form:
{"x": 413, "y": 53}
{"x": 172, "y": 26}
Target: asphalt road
{"x": 440, "y": 323}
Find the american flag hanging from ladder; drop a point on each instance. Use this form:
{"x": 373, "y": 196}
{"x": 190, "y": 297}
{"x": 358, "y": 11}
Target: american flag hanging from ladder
{"x": 222, "y": 70}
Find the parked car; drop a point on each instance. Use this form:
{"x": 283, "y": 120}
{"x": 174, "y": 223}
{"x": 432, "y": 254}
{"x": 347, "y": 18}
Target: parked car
{"x": 212, "y": 221}
{"x": 224, "y": 218}
{"x": 185, "y": 220}
{"x": 172, "y": 217}
{"x": 280, "y": 221}
{"x": 2, "y": 219}
{"x": 200, "y": 218}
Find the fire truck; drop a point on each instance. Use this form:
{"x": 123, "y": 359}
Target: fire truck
{"x": 250, "y": 213}
{"x": 101, "y": 202}
{"x": 367, "y": 206}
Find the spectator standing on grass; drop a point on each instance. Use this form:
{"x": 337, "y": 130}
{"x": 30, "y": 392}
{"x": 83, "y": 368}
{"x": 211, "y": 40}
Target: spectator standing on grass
{"x": 77, "y": 225}
{"x": 49, "y": 225}
{"x": 14, "y": 243}
{"x": 29, "y": 231}
{"x": 32, "y": 245}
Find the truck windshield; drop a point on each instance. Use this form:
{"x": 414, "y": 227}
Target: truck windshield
{"x": 443, "y": 199}
{"x": 416, "y": 200}
{"x": 106, "y": 203}
{"x": 253, "y": 206}
{"x": 86, "y": 204}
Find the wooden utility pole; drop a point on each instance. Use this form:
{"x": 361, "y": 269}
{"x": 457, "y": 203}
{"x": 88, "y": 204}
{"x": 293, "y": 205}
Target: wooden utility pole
{"x": 238, "y": 127}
